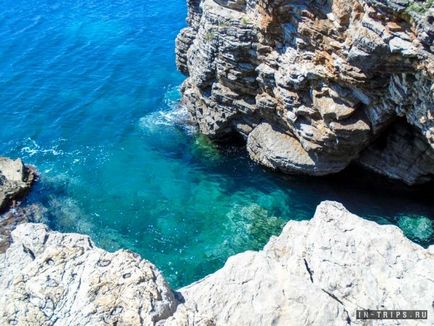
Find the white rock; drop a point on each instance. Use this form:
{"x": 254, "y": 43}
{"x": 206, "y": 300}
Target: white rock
{"x": 398, "y": 45}
{"x": 316, "y": 272}
{"x": 51, "y": 278}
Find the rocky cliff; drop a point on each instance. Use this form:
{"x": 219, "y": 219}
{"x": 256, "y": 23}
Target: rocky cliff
{"x": 315, "y": 273}
{"x": 313, "y": 85}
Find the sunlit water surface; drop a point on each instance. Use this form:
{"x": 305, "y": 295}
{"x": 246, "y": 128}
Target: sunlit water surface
{"x": 88, "y": 93}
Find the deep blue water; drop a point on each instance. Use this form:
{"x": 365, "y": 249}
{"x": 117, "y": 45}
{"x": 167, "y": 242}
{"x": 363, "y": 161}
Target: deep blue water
{"x": 88, "y": 93}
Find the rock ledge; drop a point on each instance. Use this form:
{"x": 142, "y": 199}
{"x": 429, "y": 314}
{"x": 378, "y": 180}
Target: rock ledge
{"x": 316, "y": 272}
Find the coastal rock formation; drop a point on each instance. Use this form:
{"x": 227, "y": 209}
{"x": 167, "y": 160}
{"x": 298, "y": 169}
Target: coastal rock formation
{"x": 15, "y": 181}
{"x": 49, "y": 278}
{"x": 316, "y": 272}
{"x": 314, "y": 85}
{"x": 15, "y": 216}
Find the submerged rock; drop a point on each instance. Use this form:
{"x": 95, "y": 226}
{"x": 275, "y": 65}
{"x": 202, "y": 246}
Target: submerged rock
{"x": 312, "y": 84}
{"x": 316, "y": 272}
{"x": 204, "y": 147}
{"x": 419, "y": 228}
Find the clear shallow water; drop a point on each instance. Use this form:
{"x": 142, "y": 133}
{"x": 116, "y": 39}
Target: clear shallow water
{"x": 88, "y": 93}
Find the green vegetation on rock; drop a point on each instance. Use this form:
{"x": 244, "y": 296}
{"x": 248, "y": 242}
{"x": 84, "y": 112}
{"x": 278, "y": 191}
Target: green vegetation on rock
{"x": 419, "y": 7}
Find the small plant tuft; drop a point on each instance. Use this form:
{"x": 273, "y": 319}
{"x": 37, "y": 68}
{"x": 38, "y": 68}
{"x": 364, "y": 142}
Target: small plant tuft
{"x": 209, "y": 36}
{"x": 419, "y": 7}
{"x": 245, "y": 20}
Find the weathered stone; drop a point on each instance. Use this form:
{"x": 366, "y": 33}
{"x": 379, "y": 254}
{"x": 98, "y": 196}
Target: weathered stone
{"x": 401, "y": 154}
{"x": 283, "y": 152}
{"x": 316, "y": 272}
{"x": 333, "y": 74}
{"x": 51, "y": 278}
{"x": 15, "y": 216}
{"x": 15, "y": 180}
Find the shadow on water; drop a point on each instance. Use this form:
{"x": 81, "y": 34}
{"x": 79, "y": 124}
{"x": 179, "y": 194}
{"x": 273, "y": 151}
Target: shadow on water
{"x": 366, "y": 194}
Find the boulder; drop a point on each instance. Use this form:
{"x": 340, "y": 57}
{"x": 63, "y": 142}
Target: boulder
{"x": 317, "y": 272}
{"x": 15, "y": 181}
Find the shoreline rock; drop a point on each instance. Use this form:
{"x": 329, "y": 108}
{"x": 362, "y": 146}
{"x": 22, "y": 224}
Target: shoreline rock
{"x": 16, "y": 180}
{"x": 49, "y": 277}
{"x": 337, "y": 82}
{"x": 316, "y": 272}
{"x": 15, "y": 216}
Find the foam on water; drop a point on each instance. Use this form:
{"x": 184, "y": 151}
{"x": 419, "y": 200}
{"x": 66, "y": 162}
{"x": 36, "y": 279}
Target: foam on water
{"x": 34, "y": 149}
{"x": 173, "y": 115}
{"x": 87, "y": 95}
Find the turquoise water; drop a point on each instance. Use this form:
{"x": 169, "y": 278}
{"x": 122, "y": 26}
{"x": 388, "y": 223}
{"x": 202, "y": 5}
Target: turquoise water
{"x": 88, "y": 93}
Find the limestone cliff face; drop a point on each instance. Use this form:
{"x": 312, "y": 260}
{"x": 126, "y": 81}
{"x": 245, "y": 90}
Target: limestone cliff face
{"x": 316, "y": 272}
{"x": 314, "y": 85}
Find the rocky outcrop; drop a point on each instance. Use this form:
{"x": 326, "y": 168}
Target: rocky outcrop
{"x": 313, "y": 85}
{"x": 18, "y": 215}
{"x": 316, "y": 272}
{"x": 49, "y": 278}
{"x": 15, "y": 181}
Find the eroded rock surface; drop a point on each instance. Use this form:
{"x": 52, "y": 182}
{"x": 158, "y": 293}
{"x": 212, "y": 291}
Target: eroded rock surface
{"x": 400, "y": 154}
{"x": 15, "y": 216}
{"x": 15, "y": 181}
{"x": 49, "y": 278}
{"x": 316, "y": 272}
{"x": 329, "y": 77}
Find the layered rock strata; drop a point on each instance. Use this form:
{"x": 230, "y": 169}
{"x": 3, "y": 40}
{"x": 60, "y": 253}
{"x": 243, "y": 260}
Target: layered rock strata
{"x": 313, "y": 85}
{"x": 316, "y": 272}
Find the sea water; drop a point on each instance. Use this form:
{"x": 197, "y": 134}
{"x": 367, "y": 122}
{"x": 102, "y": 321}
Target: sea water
{"x": 89, "y": 94}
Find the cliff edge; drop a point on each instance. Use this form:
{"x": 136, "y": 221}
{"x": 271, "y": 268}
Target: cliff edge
{"x": 316, "y": 272}
{"x": 312, "y": 86}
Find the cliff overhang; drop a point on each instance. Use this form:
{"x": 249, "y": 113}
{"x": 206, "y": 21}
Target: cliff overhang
{"x": 315, "y": 85}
